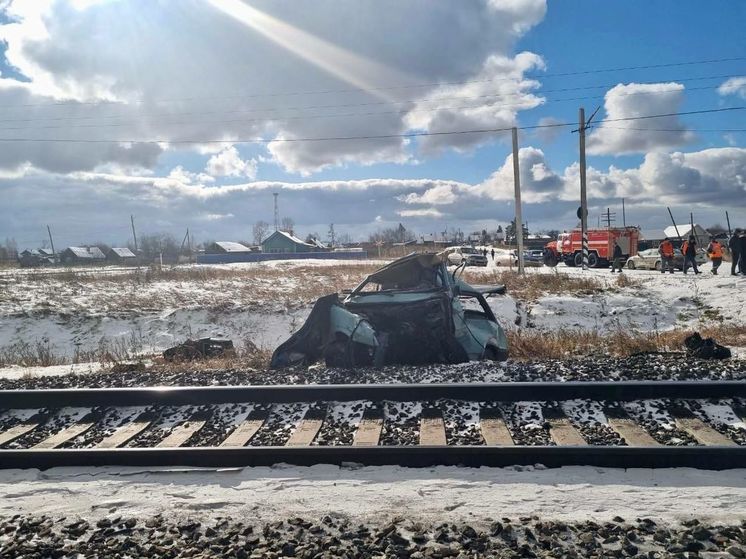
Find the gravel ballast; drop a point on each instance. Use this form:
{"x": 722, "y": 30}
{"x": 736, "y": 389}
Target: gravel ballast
{"x": 640, "y": 367}
{"x": 337, "y": 536}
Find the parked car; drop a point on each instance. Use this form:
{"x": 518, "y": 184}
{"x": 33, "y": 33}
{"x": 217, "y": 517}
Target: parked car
{"x": 412, "y": 311}
{"x": 465, "y": 254}
{"x": 650, "y": 259}
{"x": 529, "y": 258}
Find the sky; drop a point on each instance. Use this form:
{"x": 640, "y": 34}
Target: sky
{"x": 364, "y": 114}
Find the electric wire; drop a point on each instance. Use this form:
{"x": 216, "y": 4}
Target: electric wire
{"x": 361, "y": 137}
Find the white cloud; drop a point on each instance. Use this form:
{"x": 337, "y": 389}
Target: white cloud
{"x": 437, "y": 195}
{"x": 492, "y": 100}
{"x": 228, "y": 163}
{"x": 633, "y": 100}
{"x": 91, "y": 206}
{"x": 159, "y": 83}
{"x": 426, "y": 212}
{"x": 734, "y": 86}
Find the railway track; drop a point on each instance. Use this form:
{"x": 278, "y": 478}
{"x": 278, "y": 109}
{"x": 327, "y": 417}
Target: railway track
{"x": 613, "y": 424}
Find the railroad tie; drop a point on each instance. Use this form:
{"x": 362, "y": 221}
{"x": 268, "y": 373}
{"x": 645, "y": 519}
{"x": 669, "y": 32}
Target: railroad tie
{"x": 67, "y": 434}
{"x": 125, "y": 433}
{"x": 494, "y": 430}
{"x": 368, "y": 432}
{"x": 21, "y": 429}
{"x": 701, "y": 431}
{"x": 183, "y": 432}
{"x": 432, "y": 428}
{"x": 308, "y": 428}
{"x": 564, "y": 433}
{"x": 242, "y": 434}
{"x": 631, "y": 432}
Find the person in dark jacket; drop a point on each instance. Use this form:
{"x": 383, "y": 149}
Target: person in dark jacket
{"x": 689, "y": 250}
{"x": 493, "y": 253}
{"x": 734, "y": 245}
{"x": 742, "y": 251}
{"x": 617, "y": 262}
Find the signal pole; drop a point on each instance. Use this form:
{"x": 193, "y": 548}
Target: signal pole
{"x": 518, "y": 216}
{"x": 583, "y": 210}
{"x": 583, "y": 200}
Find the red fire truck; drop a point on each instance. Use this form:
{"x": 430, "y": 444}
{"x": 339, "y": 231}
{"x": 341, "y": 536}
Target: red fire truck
{"x": 568, "y": 246}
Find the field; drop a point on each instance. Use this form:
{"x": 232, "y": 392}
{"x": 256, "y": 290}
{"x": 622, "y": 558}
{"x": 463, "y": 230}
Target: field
{"x": 100, "y": 317}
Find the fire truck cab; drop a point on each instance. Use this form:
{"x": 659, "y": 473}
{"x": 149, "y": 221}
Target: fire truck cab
{"x": 568, "y": 246}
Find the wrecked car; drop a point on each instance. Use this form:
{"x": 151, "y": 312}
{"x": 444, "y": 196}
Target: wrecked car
{"x": 412, "y": 311}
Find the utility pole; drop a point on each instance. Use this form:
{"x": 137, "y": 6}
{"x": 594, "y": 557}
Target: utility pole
{"x": 624, "y": 215}
{"x": 518, "y": 217}
{"x": 727, "y": 219}
{"x": 674, "y": 223}
{"x": 51, "y": 242}
{"x": 583, "y": 210}
{"x": 134, "y": 235}
{"x": 277, "y": 211}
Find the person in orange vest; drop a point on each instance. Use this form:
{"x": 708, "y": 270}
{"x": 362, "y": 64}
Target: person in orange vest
{"x": 665, "y": 249}
{"x": 715, "y": 252}
{"x": 689, "y": 250}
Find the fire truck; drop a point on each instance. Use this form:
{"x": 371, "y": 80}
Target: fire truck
{"x": 568, "y": 247}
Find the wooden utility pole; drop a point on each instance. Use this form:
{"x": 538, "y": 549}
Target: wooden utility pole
{"x": 518, "y": 216}
{"x": 727, "y": 219}
{"x": 674, "y": 223}
{"x": 51, "y": 242}
{"x": 134, "y": 235}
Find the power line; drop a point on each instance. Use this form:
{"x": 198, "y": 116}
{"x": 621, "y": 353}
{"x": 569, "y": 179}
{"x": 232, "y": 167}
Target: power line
{"x": 343, "y": 115}
{"x": 365, "y": 137}
{"x": 389, "y": 88}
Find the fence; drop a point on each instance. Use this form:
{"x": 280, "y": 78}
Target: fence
{"x": 234, "y": 257}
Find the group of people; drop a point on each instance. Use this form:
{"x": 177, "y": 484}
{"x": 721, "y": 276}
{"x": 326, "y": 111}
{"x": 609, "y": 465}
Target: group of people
{"x": 736, "y": 244}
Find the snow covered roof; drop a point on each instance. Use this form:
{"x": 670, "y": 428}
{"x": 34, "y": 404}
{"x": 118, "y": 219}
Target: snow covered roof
{"x": 90, "y": 253}
{"x": 317, "y": 243}
{"x": 123, "y": 252}
{"x": 685, "y": 230}
{"x": 653, "y": 234}
{"x": 230, "y": 246}
{"x": 294, "y": 238}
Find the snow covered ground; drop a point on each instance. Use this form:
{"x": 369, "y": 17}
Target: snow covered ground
{"x": 81, "y": 311}
{"x": 441, "y": 494}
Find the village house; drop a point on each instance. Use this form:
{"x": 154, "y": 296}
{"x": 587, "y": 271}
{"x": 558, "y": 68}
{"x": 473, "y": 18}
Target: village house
{"x": 82, "y": 255}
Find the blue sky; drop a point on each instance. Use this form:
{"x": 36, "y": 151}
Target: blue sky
{"x": 222, "y": 68}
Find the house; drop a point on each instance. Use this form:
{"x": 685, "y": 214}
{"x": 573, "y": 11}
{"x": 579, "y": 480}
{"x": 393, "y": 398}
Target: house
{"x": 36, "y": 257}
{"x": 226, "y": 247}
{"x": 685, "y": 230}
{"x": 121, "y": 256}
{"x": 82, "y": 255}
{"x": 284, "y": 242}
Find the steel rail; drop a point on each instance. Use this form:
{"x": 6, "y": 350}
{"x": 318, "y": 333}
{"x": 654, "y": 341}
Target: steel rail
{"x": 712, "y": 457}
{"x": 275, "y": 394}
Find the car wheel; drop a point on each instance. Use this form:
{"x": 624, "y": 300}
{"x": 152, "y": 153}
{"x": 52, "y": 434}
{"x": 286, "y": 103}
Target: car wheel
{"x": 578, "y": 259}
{"x": 630, "y": 264}
{"x": 592, "y": 260}
{"x": 658, "y": 265}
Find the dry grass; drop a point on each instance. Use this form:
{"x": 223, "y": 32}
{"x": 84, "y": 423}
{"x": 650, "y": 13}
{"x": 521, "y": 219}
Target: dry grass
{"x": 530, "y": 287}
{"x": 528, "y": 343}
{"x": 41, "y": 353}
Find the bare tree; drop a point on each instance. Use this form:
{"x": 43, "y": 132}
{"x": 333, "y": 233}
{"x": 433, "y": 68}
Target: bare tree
{"x": 287, "y": 224}
{"x": 260, "y": 231}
